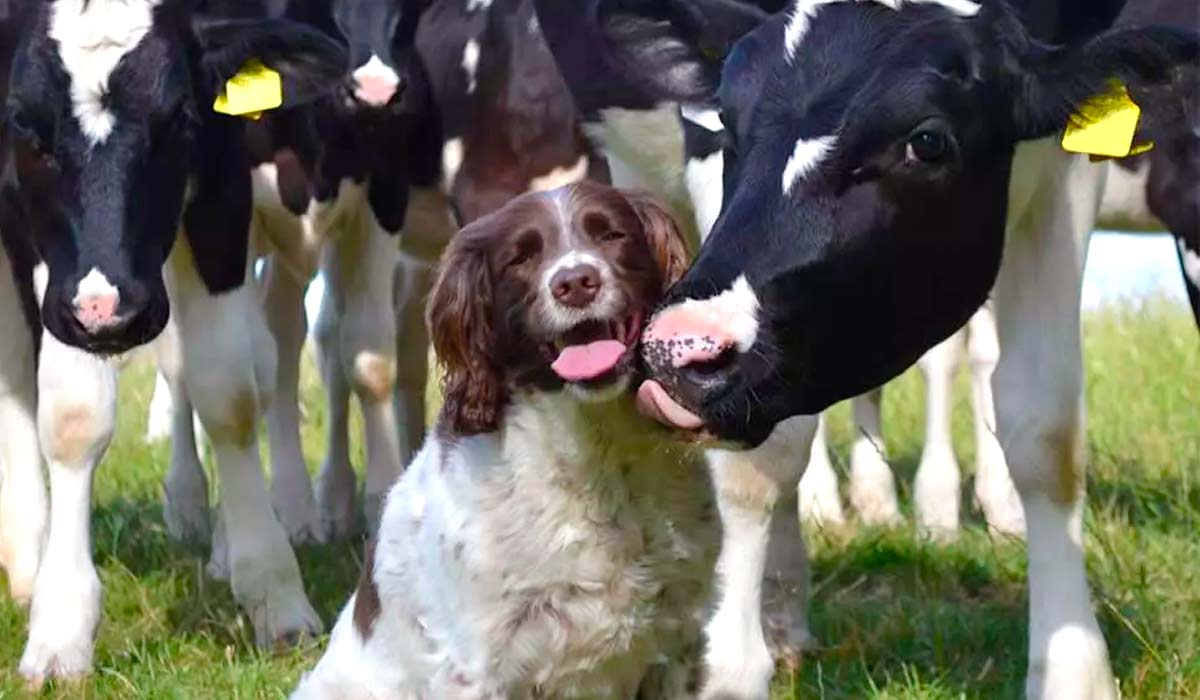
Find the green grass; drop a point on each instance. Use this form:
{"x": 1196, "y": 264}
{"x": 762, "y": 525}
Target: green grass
{"x": 899, "y": 618}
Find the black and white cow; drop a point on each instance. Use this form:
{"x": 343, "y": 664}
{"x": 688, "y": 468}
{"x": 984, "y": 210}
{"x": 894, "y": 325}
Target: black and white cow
{"x": 465, "y": 109}
{"x": 111, "y": 146}
{"x": 869, "y": 191}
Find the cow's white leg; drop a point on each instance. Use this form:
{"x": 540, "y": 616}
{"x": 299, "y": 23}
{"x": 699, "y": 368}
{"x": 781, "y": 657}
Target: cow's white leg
{"x": 158, "y": 415}
{"x": 1040, "y": 415}
{"x": 336, "y": 482}
{"x": 76, "y": 418}
{"x": 291, "y": 488}
{"x": 872, "y": 486}
{"x": 820, "y": 503}
{"x": 359, "y": 268}
{"x": 937, "y": 483}
{"x": 228, "y": 371}
{"x": 23, "y": 507}
{"x": 994, "y": 490}
{"x": 413, "y": 281}
{"x": 185, "y": 488}
{"x": 749, "y": 485}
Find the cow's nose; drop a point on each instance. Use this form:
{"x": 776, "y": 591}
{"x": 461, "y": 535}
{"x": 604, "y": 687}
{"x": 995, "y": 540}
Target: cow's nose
{"x": 576, "y": 286}
{"x": 97, "y": 304}
{"x": 375, "y": 84}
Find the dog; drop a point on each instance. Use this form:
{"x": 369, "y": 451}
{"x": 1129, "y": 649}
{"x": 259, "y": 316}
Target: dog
{"x": 547, "y": 541}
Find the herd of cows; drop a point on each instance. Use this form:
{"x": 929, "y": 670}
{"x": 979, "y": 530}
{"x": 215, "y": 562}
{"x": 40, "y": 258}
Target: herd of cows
{"x": 867, "y": 178}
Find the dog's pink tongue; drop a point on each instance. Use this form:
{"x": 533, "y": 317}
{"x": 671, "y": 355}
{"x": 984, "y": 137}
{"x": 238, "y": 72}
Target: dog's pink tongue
{"x": 579, "y": 363}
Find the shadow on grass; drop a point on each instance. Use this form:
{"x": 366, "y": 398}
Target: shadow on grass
{"x": 131, "y": 538}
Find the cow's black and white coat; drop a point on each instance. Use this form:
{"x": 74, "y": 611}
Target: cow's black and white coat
{"x": 111, "y": 147}
{"x": 790, "y": 263}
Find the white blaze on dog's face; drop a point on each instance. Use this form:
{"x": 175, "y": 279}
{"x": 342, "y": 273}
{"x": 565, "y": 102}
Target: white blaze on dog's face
{"x": 551, "y": 291}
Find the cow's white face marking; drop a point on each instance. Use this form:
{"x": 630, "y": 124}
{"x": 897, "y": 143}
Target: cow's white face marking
{"x": 805, "y": 10}
{"x": 94, "y": 284}
{"x": 473, "y": 5}
{"x": 1191, "y": 262}
{"x": 705, "y": 184}
{"x": 470, "y": 63}
{"x": 92, "y": 39}
{"x": 806, "y": 156}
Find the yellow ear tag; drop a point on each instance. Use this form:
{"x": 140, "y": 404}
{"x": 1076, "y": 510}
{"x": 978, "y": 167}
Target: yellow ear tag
{"x": 251, "y": 91}
{"x": 1105, "y": 126}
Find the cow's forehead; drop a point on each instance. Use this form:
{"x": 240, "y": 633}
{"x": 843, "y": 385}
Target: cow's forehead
{"x": 92, "y": 38}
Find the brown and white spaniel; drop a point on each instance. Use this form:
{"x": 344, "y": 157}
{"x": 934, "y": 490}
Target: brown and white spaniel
{"x": 547, "y": 541}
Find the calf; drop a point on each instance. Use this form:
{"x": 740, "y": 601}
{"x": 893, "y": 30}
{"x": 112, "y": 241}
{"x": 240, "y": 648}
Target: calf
{"x": 110, "y": 147}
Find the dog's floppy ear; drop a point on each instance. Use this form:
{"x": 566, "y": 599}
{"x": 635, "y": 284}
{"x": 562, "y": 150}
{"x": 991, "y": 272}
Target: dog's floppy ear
{"x": 667, "y": 241}
{"x": 463, "y": 335}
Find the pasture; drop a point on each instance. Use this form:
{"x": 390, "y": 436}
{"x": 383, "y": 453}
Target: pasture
{"x": 898, "y": 618}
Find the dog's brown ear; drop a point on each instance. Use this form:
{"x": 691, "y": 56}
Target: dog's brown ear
{"x": 461, "y": 328}
{"x": 667, "y": 241}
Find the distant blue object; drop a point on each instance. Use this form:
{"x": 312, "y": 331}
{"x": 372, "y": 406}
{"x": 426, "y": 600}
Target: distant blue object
{"x": 1131, "y": 266}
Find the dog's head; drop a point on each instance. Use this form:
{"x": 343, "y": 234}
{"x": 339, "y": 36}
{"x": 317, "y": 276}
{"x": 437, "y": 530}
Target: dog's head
{"x": 549, "y": 292}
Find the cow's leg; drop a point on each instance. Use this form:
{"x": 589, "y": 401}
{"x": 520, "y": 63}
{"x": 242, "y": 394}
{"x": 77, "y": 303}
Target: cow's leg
{"x": 228, "y": 371}
{"x": 335, "y": 484}
{"x": 357, "y": 335}
{"x": 413, "y": 281}
{"x": 820, "y": 503}
{"x": 23, "y": 507}
{"x": 1040, "y": 415}
{"x": 291, "y": 488}
{"x": 159, "y": 416}
{"x": 185, "y": 489}
{"x": 76, "y": 417}
{"x": 872, "y": 486}
{"x": 994, "y": 490}
{"x": 749, "y": 486}
{"x": 937, "y": 483}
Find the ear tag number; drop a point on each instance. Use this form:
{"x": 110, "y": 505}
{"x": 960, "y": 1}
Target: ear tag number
{"x": 251, "y": 91}
{"x": 1105, "y": 126}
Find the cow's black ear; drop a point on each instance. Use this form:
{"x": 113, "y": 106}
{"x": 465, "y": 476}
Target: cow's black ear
{"x": 676, "y": 47}
{"x": 1158, "y": 66}
{"x": 310, "y": 62}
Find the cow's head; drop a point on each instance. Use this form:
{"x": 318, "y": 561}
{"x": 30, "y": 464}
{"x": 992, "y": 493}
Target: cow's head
{"x": 112, "y": 134}
{"x": 380, "y": 35}
{"x": 867, "y": 156}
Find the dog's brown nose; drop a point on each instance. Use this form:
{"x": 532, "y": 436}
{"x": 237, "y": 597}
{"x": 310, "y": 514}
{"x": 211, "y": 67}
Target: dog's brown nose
{"x": 576, "y": 286}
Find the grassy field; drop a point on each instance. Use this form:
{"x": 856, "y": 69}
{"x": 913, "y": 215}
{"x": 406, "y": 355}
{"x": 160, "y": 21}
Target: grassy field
{"x": 899, "y": 618}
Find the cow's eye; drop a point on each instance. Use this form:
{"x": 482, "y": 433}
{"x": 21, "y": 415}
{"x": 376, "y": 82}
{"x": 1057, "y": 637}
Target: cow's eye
{"x": 927, "y": 146}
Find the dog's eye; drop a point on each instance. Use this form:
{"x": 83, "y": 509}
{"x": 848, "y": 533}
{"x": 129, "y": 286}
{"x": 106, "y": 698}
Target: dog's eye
{"x": 612, "y": 236}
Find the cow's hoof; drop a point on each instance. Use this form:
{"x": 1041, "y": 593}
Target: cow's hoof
{"x": 186, "y": 515}
{"x": 302, "y": 521}
{"x": 62, "y": 628}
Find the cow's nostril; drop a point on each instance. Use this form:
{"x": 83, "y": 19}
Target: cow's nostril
{"x": 708, "y": 368}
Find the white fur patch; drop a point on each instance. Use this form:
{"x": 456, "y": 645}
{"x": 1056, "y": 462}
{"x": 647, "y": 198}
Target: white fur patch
{"x": 1191, "y": 263}
{"x": 805, "y": 10}
{"x": 94, "y": 284}
{"x": 452, "y": 160}
{"x": 705, "y": 117}
{"x": 806, "y": 156}
{"x": 735, "y": 309}
{"x": 473, "y": 5}
{"x": 704, "y": 177}
{"x": 559, "y": 177}
{"x": 92, "y": 39}
{"x": 470, "y": 63}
